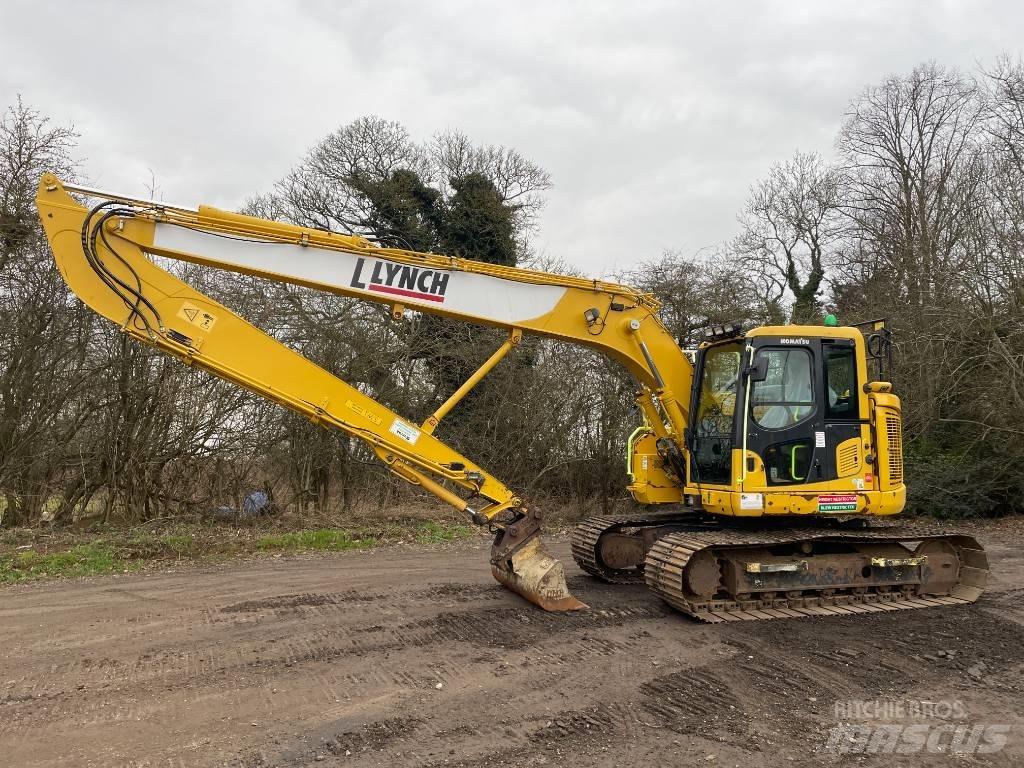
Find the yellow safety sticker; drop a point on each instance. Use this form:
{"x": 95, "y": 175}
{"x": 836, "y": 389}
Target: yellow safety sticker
{"x": 197, "y": 316}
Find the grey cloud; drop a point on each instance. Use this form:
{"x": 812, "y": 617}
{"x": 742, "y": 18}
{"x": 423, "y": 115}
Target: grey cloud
{"x": 653, "y": 117}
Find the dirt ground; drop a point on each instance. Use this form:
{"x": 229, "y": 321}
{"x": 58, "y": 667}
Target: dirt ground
{"x": 404, "y": 657}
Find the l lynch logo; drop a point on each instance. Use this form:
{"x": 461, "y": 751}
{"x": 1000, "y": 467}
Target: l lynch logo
{"x": 400, "y": 280}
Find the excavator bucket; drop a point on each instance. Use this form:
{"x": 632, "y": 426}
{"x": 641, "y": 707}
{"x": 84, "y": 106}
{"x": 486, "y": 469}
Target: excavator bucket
{"x": 534, "y": 573}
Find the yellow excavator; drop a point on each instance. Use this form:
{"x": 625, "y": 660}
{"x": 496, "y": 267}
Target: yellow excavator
{"x": 767, "y": 461}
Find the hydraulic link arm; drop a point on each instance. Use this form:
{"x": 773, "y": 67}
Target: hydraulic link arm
{"x": 103, "y": 254}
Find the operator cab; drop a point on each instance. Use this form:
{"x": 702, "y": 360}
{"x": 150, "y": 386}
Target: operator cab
{"x": 792, "y": 395}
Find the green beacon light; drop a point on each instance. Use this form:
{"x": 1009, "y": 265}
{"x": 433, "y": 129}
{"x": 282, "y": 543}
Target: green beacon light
{"x": 831, "y": 321}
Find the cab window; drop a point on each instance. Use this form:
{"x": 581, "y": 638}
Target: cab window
{"x": 788, "y": 462}
{"x": 786, "y": 396}
{"x": 841, "y": 380}
{"x": 712, "y": 457}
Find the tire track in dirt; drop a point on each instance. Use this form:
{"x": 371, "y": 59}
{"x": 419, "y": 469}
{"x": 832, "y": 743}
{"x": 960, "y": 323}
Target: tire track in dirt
{"x": 270, "y": 664}
{"x": 693, "y": 702}
{"x": 283, "y": 617}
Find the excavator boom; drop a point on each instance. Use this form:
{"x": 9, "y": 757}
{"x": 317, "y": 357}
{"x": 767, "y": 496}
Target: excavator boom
{"x": 104, "y": 254}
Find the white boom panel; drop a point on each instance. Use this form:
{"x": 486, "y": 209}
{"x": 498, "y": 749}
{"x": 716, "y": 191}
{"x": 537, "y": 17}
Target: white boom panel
{"x": 482, "y": 296}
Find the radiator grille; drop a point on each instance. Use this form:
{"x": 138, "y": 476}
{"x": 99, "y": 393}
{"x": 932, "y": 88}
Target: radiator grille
{"x": 848, "y": 458}
{"x": 894, "y": 434}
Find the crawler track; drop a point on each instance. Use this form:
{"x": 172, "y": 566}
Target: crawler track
{"x": 668, "y": 561}
{"x": 587, "y": 534}
{"x": 673, "y": 553}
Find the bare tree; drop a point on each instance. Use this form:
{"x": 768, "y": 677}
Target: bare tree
{"x": 701, "y": 290}
{"x": 912, "y": 172}
{"x": 519, "y": 181}
{"x": 318, "y": 191}
{"x": 790, "y": 222}
{"x": 29, "y": 144}
{"x": 43, "y": 339}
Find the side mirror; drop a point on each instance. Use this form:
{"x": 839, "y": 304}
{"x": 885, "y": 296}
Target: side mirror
{"x": 758, "y": 370}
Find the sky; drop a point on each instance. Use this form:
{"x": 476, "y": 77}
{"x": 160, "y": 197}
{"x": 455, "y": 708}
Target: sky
{"x": 653, "y": 118}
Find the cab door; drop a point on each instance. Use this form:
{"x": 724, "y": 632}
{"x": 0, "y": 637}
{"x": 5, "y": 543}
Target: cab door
{"x": 804, "y": 418}
{"x": 785, "y": 422}
{"x": 842, "y": 412}
{"x": 713, "y": 430}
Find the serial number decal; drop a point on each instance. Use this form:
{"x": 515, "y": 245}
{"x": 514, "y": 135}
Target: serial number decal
{"x": 408, "y": 433}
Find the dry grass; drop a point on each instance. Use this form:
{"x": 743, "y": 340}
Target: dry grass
{"x": 39, "y": 553}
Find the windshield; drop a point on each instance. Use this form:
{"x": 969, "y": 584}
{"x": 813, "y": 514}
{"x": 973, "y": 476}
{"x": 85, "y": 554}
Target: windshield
{"x": 718, "y": 382}
{"x": 715, "y": 408}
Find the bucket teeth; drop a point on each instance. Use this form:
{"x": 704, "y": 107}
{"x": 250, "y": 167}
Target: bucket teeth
{"x": 532, "y": 571}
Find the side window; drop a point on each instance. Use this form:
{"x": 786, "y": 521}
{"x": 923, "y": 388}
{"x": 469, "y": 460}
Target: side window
{"x": 786, "y": 396}
{"x": 841, "y": 382}
{"x": 788, "y": 462}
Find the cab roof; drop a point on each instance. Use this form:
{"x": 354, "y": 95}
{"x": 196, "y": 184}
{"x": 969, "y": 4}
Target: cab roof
{"x": 809, "y": 331}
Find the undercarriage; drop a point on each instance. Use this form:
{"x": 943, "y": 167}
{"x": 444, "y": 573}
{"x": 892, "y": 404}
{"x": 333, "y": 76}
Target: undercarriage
{"x": 723, "y": 570}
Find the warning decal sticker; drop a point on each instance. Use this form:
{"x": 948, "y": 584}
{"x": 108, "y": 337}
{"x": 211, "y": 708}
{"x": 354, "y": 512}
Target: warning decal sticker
{"x": 837, "y": 502}
{"x": 197, "y": 316}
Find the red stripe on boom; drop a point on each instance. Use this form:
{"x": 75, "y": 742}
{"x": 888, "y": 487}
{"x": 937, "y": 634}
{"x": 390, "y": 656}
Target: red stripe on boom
{"x": 403, "y": 292}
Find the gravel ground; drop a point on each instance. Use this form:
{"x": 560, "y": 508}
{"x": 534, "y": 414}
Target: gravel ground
{"x": 414, "y": 656}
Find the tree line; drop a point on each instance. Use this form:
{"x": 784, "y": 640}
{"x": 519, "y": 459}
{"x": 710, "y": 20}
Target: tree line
{"x": 916, "y": 215}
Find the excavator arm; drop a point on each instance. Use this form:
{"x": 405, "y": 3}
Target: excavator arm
{"x": 104, "y": 253}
